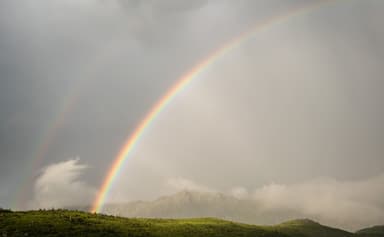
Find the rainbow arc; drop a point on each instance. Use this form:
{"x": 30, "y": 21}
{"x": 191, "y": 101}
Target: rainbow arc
{"x": 181, "y": 84}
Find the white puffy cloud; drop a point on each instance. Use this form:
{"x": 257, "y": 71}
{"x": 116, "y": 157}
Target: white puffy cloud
{"x": 182, "y": 184}
{"x": 60, "y": 185}
{"x": 239, "y": 192}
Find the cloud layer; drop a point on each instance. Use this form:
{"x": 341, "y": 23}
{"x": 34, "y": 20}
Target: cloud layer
{"x": 346, "y": 204}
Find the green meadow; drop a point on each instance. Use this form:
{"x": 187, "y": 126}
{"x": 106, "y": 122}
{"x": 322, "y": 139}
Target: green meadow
{"x": 76, "y": 223}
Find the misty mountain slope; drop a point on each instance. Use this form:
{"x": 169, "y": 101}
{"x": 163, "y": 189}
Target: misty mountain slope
{"x": 309, "y": 228}
{"x": 188, "y": 204}
{"x": 182, "y": 204}
{"x": 375, "y": 231}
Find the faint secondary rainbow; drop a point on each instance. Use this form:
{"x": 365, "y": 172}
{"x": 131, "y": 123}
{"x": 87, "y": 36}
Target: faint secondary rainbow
{"x": 64, "y": 110}
{"x": 181, "y": 84}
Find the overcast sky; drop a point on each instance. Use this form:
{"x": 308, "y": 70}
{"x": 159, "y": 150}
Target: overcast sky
{"x": 300, "y": 101}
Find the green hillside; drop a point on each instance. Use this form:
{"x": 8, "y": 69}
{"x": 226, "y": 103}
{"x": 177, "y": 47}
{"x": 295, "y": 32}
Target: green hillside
{"x": 375, "y": 231}
{"x": 75, "y": 223}
{"x": 309, "y": 228}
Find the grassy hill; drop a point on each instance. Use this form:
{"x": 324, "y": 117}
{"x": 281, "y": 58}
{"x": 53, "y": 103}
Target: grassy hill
{"x": 76, "y": 223}
{"x": 309, "y": 228}
{"x": 375, "y": 231}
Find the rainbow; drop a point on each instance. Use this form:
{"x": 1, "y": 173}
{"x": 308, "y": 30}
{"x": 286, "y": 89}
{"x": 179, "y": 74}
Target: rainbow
{"x": 178, "y": 87}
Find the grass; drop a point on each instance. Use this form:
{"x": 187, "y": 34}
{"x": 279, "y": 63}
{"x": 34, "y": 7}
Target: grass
{"x": 75, "y": 223}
